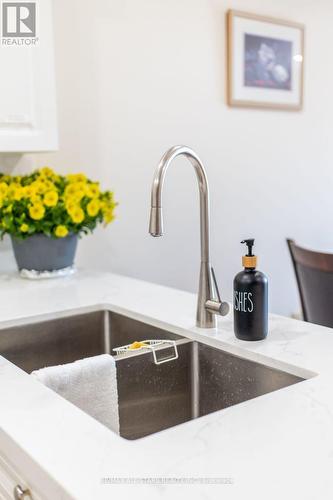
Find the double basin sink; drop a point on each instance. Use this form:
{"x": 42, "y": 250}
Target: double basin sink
{"x": 152, "y": 397}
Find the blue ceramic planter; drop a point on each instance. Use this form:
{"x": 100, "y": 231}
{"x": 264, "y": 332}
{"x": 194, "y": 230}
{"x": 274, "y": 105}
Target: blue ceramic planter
{"x": 42, "y": 253}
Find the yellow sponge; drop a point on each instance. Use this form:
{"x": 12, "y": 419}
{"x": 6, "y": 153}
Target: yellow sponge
{"x": 137, "y": 345}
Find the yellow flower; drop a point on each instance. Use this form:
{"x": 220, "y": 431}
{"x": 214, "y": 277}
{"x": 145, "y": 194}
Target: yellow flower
{"x": 80, "y": 186}
{"x": 29, "y": 191}
{"x": 76, "y": 178}
{"x": 3, "y": 188}
{"x": 92, "y": 190}
{"x": 35, "y": 199}
{"x": 108, "y": 215}
{"x": 70, "y": 190}
{"x": 77, "y": 197}
{"x": 13, "y": 187}
{"x": 24, "y": 228}
{"x": 61, "y": 231}
{"x": 70, "y": 204}
{"x": 37, "y": 211}
{"x": 39, "y": 187}
{"x": 93, "y": 207}
{"x": 76, "y": 214}
{"x": 75, "y": 191}
{"x": 47, "y": 171}
{"x": 51, "y": 198}
{"x": 48, "y": 185}
{"x": 18, "y": 193}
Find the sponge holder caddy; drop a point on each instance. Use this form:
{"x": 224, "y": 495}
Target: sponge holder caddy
{"x": 153, "y": 346}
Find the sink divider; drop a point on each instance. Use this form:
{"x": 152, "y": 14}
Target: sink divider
{"x": 195, "y": 379}
{"x": 107, "y": 332}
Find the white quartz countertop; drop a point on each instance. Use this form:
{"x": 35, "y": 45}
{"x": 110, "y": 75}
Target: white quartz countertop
{"x": 279, "y": 445}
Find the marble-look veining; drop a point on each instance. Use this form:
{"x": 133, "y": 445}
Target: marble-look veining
{"x": 276, "y": 446}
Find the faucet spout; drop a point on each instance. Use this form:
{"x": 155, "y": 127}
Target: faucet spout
{"x": 208, "y": 306}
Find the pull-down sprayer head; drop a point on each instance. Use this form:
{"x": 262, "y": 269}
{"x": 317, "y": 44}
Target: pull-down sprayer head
{"x": 156, "y": 221}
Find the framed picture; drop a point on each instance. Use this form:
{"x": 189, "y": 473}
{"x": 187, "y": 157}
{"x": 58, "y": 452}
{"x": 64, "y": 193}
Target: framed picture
{"x": 265, "y": 61}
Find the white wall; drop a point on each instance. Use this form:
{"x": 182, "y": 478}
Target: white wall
{"x": 135, "y": 77}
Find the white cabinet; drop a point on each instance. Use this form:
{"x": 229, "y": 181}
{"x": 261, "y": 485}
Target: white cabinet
{"x": 11, "y": 481}
{"x": 27, "y": 88}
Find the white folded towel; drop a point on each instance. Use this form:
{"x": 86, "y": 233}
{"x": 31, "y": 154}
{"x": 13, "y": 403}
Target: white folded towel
{"x": 90, "y": 384}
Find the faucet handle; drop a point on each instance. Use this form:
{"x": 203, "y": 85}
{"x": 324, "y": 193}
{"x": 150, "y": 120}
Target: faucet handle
{"x": 217, "y": 306}
{"x": 215, "y": 284}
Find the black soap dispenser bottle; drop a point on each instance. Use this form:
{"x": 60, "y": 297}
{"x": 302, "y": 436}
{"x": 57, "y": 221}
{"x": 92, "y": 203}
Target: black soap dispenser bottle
{"x": 250, "y": 299}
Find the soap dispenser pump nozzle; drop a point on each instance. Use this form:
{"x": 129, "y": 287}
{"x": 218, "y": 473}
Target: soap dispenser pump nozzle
{"x": 249, "y": 260}
{"x": 249, "y": 243}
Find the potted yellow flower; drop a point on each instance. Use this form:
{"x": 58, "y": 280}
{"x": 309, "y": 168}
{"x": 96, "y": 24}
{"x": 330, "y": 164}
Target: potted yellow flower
{"x": 44, "y": 213}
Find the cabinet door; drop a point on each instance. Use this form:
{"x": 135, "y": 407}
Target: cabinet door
{"x": 27, "y": 88}
{"x": 10, "y": 479}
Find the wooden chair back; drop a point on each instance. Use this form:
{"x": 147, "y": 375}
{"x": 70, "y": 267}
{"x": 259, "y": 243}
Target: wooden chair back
{"x": 314, "y": 276}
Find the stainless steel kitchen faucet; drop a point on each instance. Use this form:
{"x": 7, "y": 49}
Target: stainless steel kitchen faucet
{"x": 208, "y": 304}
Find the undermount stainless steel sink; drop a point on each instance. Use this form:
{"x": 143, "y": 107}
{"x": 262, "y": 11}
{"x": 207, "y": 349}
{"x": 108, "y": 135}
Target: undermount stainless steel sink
{"x": 151, "y": 397}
